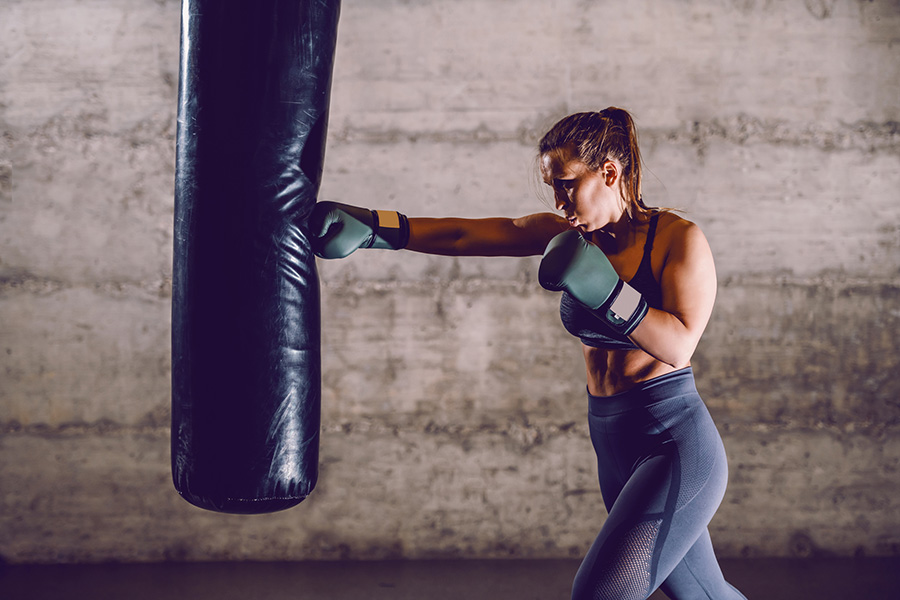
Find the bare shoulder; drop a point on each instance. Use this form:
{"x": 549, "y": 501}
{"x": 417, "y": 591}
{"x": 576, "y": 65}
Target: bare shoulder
{"x": 687, "y": 256}
{"x": 674, "y": 224}
{"x": 678, "y": 234}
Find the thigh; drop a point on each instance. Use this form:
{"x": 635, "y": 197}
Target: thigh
{"x": 622, "y": 562}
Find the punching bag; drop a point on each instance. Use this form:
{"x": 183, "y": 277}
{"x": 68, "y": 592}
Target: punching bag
{"x": 254, "y": 88}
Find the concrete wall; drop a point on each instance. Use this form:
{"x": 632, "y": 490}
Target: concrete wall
{"x": 453, "y": 400}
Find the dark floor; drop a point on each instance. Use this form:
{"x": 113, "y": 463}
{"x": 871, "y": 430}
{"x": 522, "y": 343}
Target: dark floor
{"x": 759, "y": 579}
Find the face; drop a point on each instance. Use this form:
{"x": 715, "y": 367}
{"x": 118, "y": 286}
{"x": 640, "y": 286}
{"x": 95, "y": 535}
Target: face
{"x": 587, "y": 198}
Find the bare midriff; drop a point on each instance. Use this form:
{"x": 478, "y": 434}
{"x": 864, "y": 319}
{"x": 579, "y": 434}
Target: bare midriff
{"x": 613, "y": 371}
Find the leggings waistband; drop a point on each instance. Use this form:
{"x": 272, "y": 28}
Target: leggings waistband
{"x": 671, "y": 385}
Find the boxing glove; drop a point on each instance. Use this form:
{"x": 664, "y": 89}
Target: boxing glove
{"x": 572, "y": 264}
{"x": 336, "y": 230}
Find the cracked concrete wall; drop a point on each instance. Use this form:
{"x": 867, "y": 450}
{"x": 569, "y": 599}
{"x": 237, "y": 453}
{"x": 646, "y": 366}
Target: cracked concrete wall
{"x": 453, "y": 401}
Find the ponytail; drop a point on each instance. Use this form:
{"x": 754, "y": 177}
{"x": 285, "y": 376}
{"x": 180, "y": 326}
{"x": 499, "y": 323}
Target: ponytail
{"x": 631, "y": 162}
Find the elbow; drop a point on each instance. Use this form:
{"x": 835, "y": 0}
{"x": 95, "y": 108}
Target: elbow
{"x": 455, "y": 242}
{"x": 675, "y": 351}
{"x": 678, "y": 361}
{"x": 675, "y": 359}
{"x": 666, "y": 338}
{"x": 680, "y": 353}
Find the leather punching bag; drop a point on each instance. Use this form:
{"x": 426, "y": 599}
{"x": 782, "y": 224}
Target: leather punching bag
{"x": 254, "y": 89}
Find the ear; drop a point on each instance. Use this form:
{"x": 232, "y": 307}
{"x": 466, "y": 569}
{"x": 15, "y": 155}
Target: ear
{"x": 611, "y": 172}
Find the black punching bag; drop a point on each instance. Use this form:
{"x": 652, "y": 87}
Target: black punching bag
{"x": 252, "y": 114}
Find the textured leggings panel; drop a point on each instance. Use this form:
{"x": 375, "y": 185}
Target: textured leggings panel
{"x": 663, "y": 473}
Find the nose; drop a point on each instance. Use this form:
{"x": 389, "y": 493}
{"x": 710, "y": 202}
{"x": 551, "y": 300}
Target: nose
{"x": 561, "y": 199}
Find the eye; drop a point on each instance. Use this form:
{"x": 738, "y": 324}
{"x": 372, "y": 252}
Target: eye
{"x": 564, "y": 184}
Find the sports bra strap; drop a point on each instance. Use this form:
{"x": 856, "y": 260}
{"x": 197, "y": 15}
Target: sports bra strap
{"x": 651, "y": 234}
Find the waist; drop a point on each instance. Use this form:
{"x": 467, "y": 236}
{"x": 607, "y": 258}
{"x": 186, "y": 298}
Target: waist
{"x": 671, "y": 385}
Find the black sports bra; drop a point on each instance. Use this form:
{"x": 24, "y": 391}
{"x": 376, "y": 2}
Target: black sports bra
{"x": 581, "y": 322}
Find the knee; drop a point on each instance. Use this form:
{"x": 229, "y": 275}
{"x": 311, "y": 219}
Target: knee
{"x": 606, "y": 586}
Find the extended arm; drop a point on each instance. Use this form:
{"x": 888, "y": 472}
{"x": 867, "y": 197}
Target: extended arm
{"x": 337, "y": 230}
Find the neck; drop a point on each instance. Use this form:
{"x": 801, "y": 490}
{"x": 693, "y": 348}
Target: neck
{"x": 619, "y": 228}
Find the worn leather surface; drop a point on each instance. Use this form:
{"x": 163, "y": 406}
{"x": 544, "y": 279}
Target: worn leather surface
{"x": 253, "y": 99}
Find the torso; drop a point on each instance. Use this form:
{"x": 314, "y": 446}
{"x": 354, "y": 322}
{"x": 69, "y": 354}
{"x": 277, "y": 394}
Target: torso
{"x": 610, "y": 371}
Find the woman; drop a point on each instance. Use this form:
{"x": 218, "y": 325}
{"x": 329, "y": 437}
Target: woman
{"x": 662, "y": 466}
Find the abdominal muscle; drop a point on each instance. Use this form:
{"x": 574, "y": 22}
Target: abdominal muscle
{"x": 613, "y": 371}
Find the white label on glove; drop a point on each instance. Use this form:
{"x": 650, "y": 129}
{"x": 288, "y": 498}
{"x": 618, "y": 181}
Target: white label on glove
{"x": 626, "y": 302}
{"x": 389, "y": 219}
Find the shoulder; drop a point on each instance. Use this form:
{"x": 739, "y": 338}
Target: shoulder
{"x": 674, "y": 231}
{"x": 683, "y": 243}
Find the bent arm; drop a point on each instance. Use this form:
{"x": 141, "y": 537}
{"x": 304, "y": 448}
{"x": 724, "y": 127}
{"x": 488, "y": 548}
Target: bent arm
{"x": 688, "y": 283}
{"x": 498, "y": 236}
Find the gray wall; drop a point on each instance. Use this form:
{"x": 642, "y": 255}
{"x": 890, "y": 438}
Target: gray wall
{"x": 453, "y": 400}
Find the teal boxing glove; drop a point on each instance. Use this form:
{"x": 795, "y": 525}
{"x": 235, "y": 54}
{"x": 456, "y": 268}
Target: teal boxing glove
{"x": 336, "y": 230}
{"x": 574, "y": 265}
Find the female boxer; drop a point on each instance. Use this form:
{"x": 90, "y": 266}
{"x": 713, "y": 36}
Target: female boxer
{"x": 638, "y": 287}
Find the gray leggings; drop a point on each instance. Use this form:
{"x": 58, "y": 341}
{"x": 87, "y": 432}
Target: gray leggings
{"x": 663, "y": 473}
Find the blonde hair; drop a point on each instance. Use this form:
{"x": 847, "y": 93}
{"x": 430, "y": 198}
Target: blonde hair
{"x": 594, "y": 138}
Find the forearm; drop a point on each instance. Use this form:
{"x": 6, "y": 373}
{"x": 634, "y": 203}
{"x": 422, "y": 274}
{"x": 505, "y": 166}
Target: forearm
{"x": 666, "y": 338}
{"x": 449, "y": 236}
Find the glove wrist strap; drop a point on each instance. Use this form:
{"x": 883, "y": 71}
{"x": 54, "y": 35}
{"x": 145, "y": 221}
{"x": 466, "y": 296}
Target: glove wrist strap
{"x": 626, "y": 309}
{"x": 390, "y": 230}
